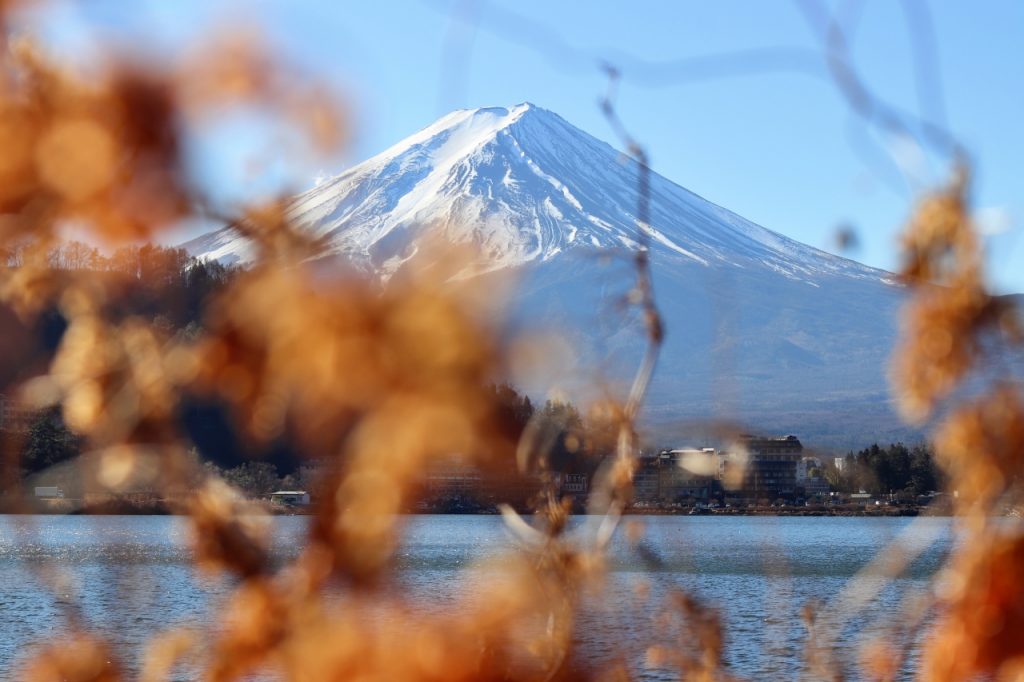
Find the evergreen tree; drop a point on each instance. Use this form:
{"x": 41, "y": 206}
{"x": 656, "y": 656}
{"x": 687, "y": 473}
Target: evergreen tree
{"x": 254, "y": 478}
{"x": 49, "y": 442}
{"x": 923, "y": 475}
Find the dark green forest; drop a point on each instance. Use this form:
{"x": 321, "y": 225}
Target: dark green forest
{"x": 164, "y": 286}
{"x": 169, "y": 288}
{"x": 880, "y": 470}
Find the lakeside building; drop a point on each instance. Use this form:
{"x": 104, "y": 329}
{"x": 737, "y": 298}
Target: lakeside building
{"x": 769, "y": 466}
{"x": 765, "y": 467}
{"x": 290, "y": 498}
{"x": 805, "y": 466}
{"x": 572, "y": 484}
{"x": 452, "y": 478}
{"x": 647, "y": 479}
{"x": 456, "y": 482}
{"x": 687, "y": 474}
{"x": 49, "y": 492}
{"x": 860, "y": 498}
{"x": 813, "y": 485}
{"x": 673, "y": 476}
{"x": 14, "y": 416}
{"x": 816, "y": 486}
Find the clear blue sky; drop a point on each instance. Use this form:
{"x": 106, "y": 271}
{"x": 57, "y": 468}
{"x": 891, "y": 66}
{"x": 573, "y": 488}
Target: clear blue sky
{"x": 780, "y": 147}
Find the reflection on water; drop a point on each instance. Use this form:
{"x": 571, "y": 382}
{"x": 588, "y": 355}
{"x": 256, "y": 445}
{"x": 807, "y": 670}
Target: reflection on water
{"x": 131, "y": 577}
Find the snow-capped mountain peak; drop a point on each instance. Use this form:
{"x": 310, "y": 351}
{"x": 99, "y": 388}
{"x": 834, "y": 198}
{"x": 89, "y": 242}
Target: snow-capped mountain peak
{"x": 524, "y": 186}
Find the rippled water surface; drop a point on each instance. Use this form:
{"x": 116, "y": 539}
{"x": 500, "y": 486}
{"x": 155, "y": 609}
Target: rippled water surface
{"x": 131, "y": 576}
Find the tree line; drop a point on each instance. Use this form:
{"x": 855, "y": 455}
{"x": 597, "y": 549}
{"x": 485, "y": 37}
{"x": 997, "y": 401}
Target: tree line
{"x": 170, "y": 287}
{"x": 155, "y": 282}
{"x": 880, "y": 470}
{"x": 49, "y": 443}
{"x": 562, "y": 446}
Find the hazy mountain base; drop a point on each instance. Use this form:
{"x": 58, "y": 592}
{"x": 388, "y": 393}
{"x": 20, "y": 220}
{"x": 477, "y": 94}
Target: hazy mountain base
{"x": 816, "y": 367}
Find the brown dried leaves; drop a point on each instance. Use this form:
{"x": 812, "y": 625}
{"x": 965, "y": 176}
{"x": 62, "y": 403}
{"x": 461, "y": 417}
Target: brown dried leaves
{"x": 227, "y": 532}
{"x": 104, "y": 153}
{"x": 522, "y": 631}
{"x": 980, "y": 443}
{"x": 979, "y": 636}
{"x": 947, "y": 321}
{"x": 700, "y": 652}
{"x": 981, "y": 446}
{"x": 77, "y": 658}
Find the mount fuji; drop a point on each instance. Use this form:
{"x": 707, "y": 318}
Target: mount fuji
{"x": 761, "y": 328}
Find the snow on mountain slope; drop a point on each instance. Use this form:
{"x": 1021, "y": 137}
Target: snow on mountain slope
{"x": 523, "y": 185}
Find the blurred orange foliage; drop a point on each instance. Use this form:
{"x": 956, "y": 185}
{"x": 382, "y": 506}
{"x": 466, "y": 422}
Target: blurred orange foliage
{"x": 381, "y": 383}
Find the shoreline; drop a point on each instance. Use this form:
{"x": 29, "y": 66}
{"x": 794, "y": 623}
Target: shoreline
{"x": 66, "y": 508}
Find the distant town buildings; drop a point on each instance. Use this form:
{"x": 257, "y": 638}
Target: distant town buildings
{"x": 755, "y": 468}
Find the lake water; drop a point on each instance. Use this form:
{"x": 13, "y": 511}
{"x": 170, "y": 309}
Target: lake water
{"x": 131, "y": 576}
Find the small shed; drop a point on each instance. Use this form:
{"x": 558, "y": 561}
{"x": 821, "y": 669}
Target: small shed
{"x": 49, "y": 492}
{"x": 291, "y": 498}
